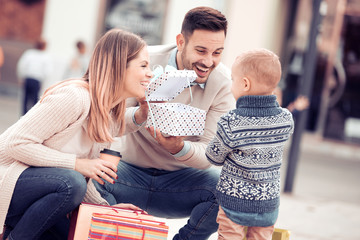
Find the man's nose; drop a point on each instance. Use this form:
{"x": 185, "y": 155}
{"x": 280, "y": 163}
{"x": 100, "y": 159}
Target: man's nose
{"x": 208, "y": 60}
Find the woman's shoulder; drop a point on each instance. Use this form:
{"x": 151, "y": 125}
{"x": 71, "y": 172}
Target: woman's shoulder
{"x": 72, "y": 91}
{"x": 73, "y": 95}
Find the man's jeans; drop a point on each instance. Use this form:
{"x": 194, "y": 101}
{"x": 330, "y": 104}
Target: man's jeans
{"x": 169, "y": 194}
{"x": 41, "y": 200}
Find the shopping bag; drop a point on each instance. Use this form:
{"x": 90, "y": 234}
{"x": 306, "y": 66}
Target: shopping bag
{"x": 81, "y": 218}
{"x": 177, "y": 119}
{"x": 107, "y": 226}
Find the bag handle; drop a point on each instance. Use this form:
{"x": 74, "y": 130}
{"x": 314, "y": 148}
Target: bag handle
{"x": 114, "y": 211}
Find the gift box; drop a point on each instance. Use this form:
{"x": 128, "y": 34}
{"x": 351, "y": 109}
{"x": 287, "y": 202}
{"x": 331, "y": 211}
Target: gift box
{"x": 166, "y": 85}
{"x": 83, "y": 218}
{"x": 177, "y": 119}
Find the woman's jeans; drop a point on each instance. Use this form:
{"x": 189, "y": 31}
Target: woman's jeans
{"x": 169, "y": 194}
{"x": 41, "y": 201}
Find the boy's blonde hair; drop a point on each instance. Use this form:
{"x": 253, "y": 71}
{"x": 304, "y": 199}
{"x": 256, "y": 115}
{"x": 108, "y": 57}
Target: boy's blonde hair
{"x": 104, "y": 79}
{"x": 260, "y": 65}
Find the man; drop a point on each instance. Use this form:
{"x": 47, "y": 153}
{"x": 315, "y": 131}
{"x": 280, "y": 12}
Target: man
{"x": 1, "y": 58}
{"x": 79, "y": 63}
{"x": 170, "y": 176}
{"x": 34, "y": 68}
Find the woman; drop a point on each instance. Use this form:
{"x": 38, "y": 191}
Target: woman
{"x": 46, "y": 157}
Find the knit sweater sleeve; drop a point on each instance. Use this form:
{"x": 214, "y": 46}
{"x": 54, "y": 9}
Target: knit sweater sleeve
{"x": 51, "y": 119}
{"x": 217, "y": 150}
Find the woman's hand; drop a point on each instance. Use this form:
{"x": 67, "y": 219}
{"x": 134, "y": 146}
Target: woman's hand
{"x": 142, "y": 112}
{"x": 97, "y": 169}
{"x": 128, "y": 206}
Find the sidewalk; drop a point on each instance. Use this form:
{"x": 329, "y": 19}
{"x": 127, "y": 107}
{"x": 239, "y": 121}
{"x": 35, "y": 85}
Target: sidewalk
{"x": 309, "y": 219}
{"x": 325, "y": 203}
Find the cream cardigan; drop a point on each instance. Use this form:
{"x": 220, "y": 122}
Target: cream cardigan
{"x": 37, "y": 137}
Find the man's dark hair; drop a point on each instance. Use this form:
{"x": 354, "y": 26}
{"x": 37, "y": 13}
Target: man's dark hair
{"x": 40, "y": 44}
{"x": 80, "y": 44}
{"x": 203, "y": 18}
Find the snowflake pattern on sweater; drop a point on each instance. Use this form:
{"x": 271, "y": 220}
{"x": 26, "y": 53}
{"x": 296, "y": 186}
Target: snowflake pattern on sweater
{"x": 249, "y": 144}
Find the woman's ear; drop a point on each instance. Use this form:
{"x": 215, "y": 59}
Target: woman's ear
{"x": 180, "y": 42}
{"x": 247, "y": 84}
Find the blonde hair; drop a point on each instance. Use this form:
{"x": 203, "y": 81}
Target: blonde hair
{"x": 262, "y": 65}
{"x": 104, "y": 79}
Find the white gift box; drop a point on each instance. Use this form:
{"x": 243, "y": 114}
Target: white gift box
{"x": 177, "y": 119}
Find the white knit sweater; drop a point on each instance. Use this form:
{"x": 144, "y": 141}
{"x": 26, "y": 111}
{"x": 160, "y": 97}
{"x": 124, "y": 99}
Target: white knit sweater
{"x": 36, "y": 139}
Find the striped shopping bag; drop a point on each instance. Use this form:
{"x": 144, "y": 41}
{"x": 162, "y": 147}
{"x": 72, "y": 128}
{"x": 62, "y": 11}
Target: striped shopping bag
{"x": 112, "y": 227}
{"x": 81, "y": 218}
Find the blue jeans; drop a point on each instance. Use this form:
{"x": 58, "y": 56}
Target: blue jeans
{"x": 41, "y": 200}
{"x": 170, "y": 194}
{"x": 31, "y": 94}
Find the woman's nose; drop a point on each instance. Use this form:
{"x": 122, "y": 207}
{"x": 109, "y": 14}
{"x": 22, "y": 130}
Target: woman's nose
{"x": 150, "y": 74}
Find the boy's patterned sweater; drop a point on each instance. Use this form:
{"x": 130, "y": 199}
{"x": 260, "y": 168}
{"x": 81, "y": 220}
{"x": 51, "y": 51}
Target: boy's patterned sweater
{"x": 249, "y": 143}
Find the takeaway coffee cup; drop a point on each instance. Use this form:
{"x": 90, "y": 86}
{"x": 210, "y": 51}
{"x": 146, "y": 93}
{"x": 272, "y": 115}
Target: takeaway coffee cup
{"x": 110, "y": 155}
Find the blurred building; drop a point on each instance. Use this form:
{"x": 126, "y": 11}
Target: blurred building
{"x": 334, "y": 112}
{"x": 20, "y": 26}
{"x": 62, "y": 23}
{"x": 280, "y": 25}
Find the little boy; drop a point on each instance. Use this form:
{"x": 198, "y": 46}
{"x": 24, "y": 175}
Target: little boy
{"x": 249, "y": 143}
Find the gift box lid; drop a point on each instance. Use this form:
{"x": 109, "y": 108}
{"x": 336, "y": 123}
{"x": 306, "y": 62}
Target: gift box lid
{"x": 166, "y": 85}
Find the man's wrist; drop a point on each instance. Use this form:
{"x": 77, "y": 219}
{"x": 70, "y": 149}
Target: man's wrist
{"x": 183, "y": 151}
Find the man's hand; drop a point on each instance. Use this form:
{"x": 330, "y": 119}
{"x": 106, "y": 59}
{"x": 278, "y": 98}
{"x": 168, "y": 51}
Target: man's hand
{"x": 173, "y": 144}
{"x": 142, "y": 112}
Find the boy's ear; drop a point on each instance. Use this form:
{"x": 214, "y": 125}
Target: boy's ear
{"x": 247, "y": 84}
{"x": 180, "y": 42}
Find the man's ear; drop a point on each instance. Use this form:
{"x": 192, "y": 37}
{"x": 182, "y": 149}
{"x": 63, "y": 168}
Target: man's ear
{"x": 247, "y": 84}
{"x": 180, "y": 41}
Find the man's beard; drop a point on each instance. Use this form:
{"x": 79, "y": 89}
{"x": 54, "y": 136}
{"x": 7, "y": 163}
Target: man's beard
{"x": 197, "y": 65}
